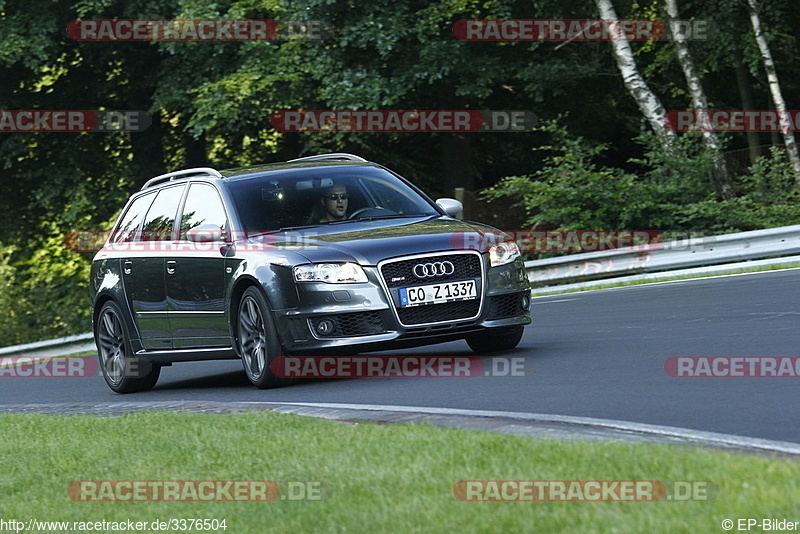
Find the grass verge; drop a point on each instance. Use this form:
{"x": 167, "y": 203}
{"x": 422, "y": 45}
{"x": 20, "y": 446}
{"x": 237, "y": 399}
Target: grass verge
{"x": 374, "y": 478}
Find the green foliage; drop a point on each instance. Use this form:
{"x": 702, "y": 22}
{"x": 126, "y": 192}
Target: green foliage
{"x": 571, "y": 192}
{"x": 45, "y": 295}
{"x": 767, "y": 198}
{"x": 672, "y": 194}
{"x": 771, "y": 179}
{"x": 10, "y": 331}
{"x": 770, "y": 197}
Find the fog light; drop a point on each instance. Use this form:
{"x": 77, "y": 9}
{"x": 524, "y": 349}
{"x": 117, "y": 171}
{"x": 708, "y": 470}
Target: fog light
{"x": 326, "y": 327}
{"x": 525, "y": 302}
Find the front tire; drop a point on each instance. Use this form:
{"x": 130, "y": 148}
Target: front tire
{"x": 257, "y": 340}
{"x": 121, "y": 370}
{"x": 496, "y": 340}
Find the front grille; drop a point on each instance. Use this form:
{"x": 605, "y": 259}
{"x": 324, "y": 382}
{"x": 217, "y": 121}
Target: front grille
{"x": 351, "y": 324}
{"x": 502, "y": 306}
{"x": 466, "y": 266}
{"x": 399, "y": 273}
{"x": 434, "y": 313}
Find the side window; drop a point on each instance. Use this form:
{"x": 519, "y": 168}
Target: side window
{"x": 160, "y": 219}
{"x": 203, "y": 206}
{"x": 130, "y": 222}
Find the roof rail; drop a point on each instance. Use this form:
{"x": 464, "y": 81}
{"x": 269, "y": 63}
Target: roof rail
{"x": 330, "y": 157}
{"x": 202, "y": 171}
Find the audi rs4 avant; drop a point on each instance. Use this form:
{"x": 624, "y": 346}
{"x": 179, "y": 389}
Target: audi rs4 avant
{"x": 244, "y": 263}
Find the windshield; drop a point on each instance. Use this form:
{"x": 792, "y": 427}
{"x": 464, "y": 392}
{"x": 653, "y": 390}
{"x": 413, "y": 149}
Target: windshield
{"x": 324, "y": 195}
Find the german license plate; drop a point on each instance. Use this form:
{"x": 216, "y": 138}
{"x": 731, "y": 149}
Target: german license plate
{"x": 438, "y": 293}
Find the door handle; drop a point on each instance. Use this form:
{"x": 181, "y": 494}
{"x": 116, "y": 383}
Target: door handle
{"x": 171, "y": 266}
{"x": 126, "y": 266}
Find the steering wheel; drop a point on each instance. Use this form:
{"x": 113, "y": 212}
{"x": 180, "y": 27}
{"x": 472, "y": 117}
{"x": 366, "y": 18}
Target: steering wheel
{"x": 373, "y": 211}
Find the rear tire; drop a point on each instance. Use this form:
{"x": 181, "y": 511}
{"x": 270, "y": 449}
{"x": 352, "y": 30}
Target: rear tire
{"x": 123, "y": 372}
{"x": 496, "y": 339}
{"x": 257, "y": 340}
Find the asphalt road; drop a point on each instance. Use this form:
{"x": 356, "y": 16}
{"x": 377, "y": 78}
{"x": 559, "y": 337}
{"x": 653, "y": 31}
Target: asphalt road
{"x": 595, "y": 354}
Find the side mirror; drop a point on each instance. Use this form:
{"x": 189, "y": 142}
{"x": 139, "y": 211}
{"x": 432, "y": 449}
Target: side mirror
{"x": 205, "y": 233}
{"x": 451, "y": 206}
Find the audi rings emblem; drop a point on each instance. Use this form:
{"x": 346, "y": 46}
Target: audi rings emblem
{"x": 437, "y": 268}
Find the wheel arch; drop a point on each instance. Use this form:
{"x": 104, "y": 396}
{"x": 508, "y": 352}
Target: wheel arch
{"x": 238, "y": 289}
{"x": 130, "y": 324}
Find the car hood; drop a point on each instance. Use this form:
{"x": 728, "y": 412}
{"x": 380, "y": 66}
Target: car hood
{"x": 368, "y": 242}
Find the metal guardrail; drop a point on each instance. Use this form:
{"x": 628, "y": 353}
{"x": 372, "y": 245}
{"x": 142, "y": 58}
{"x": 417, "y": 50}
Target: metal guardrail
{"x": 712, "y": 250}
{"x": 53, "y": 347}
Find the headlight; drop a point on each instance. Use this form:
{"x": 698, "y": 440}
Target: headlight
{"x": 503, "y": 253}
{"x": 330, "y": 273}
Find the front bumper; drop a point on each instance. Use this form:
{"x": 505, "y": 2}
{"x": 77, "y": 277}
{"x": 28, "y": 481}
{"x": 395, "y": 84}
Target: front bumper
{"x": 362, "y": 317}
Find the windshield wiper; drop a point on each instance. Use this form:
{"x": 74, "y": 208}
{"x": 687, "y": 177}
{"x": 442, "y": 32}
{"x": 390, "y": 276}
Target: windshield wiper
{"x": 290, "y": 228}
{"x": 284, "y": 229}
{"x": 394, "y": 216}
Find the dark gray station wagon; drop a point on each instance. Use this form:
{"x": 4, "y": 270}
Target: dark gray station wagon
{"x": 326, "y": 254}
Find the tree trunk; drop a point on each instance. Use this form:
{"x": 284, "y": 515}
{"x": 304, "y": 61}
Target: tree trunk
{"x": 456, "y": 147}
{"x": 746, "y": 96}
{"x": 148, "y": 151}
{"x": 720, "y": 176}
{"x": 196, "y": 155}
{"x": 775, "y": 90}
{"x": 648, "y": 102}
{"x": 457, "y": 156}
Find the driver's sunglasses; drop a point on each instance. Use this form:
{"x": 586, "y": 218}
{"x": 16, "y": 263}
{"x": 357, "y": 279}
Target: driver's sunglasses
{"x": 341, "y": 196}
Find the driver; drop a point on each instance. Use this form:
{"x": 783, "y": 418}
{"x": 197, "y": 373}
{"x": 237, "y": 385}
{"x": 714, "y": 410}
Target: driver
{"x": 334, "y": 203}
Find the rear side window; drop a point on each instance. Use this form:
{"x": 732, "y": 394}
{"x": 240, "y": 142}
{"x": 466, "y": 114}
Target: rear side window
{"x": 160, "y": 219}
{"x": 203, "y": 206}
{"x": 132, "y": 220}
